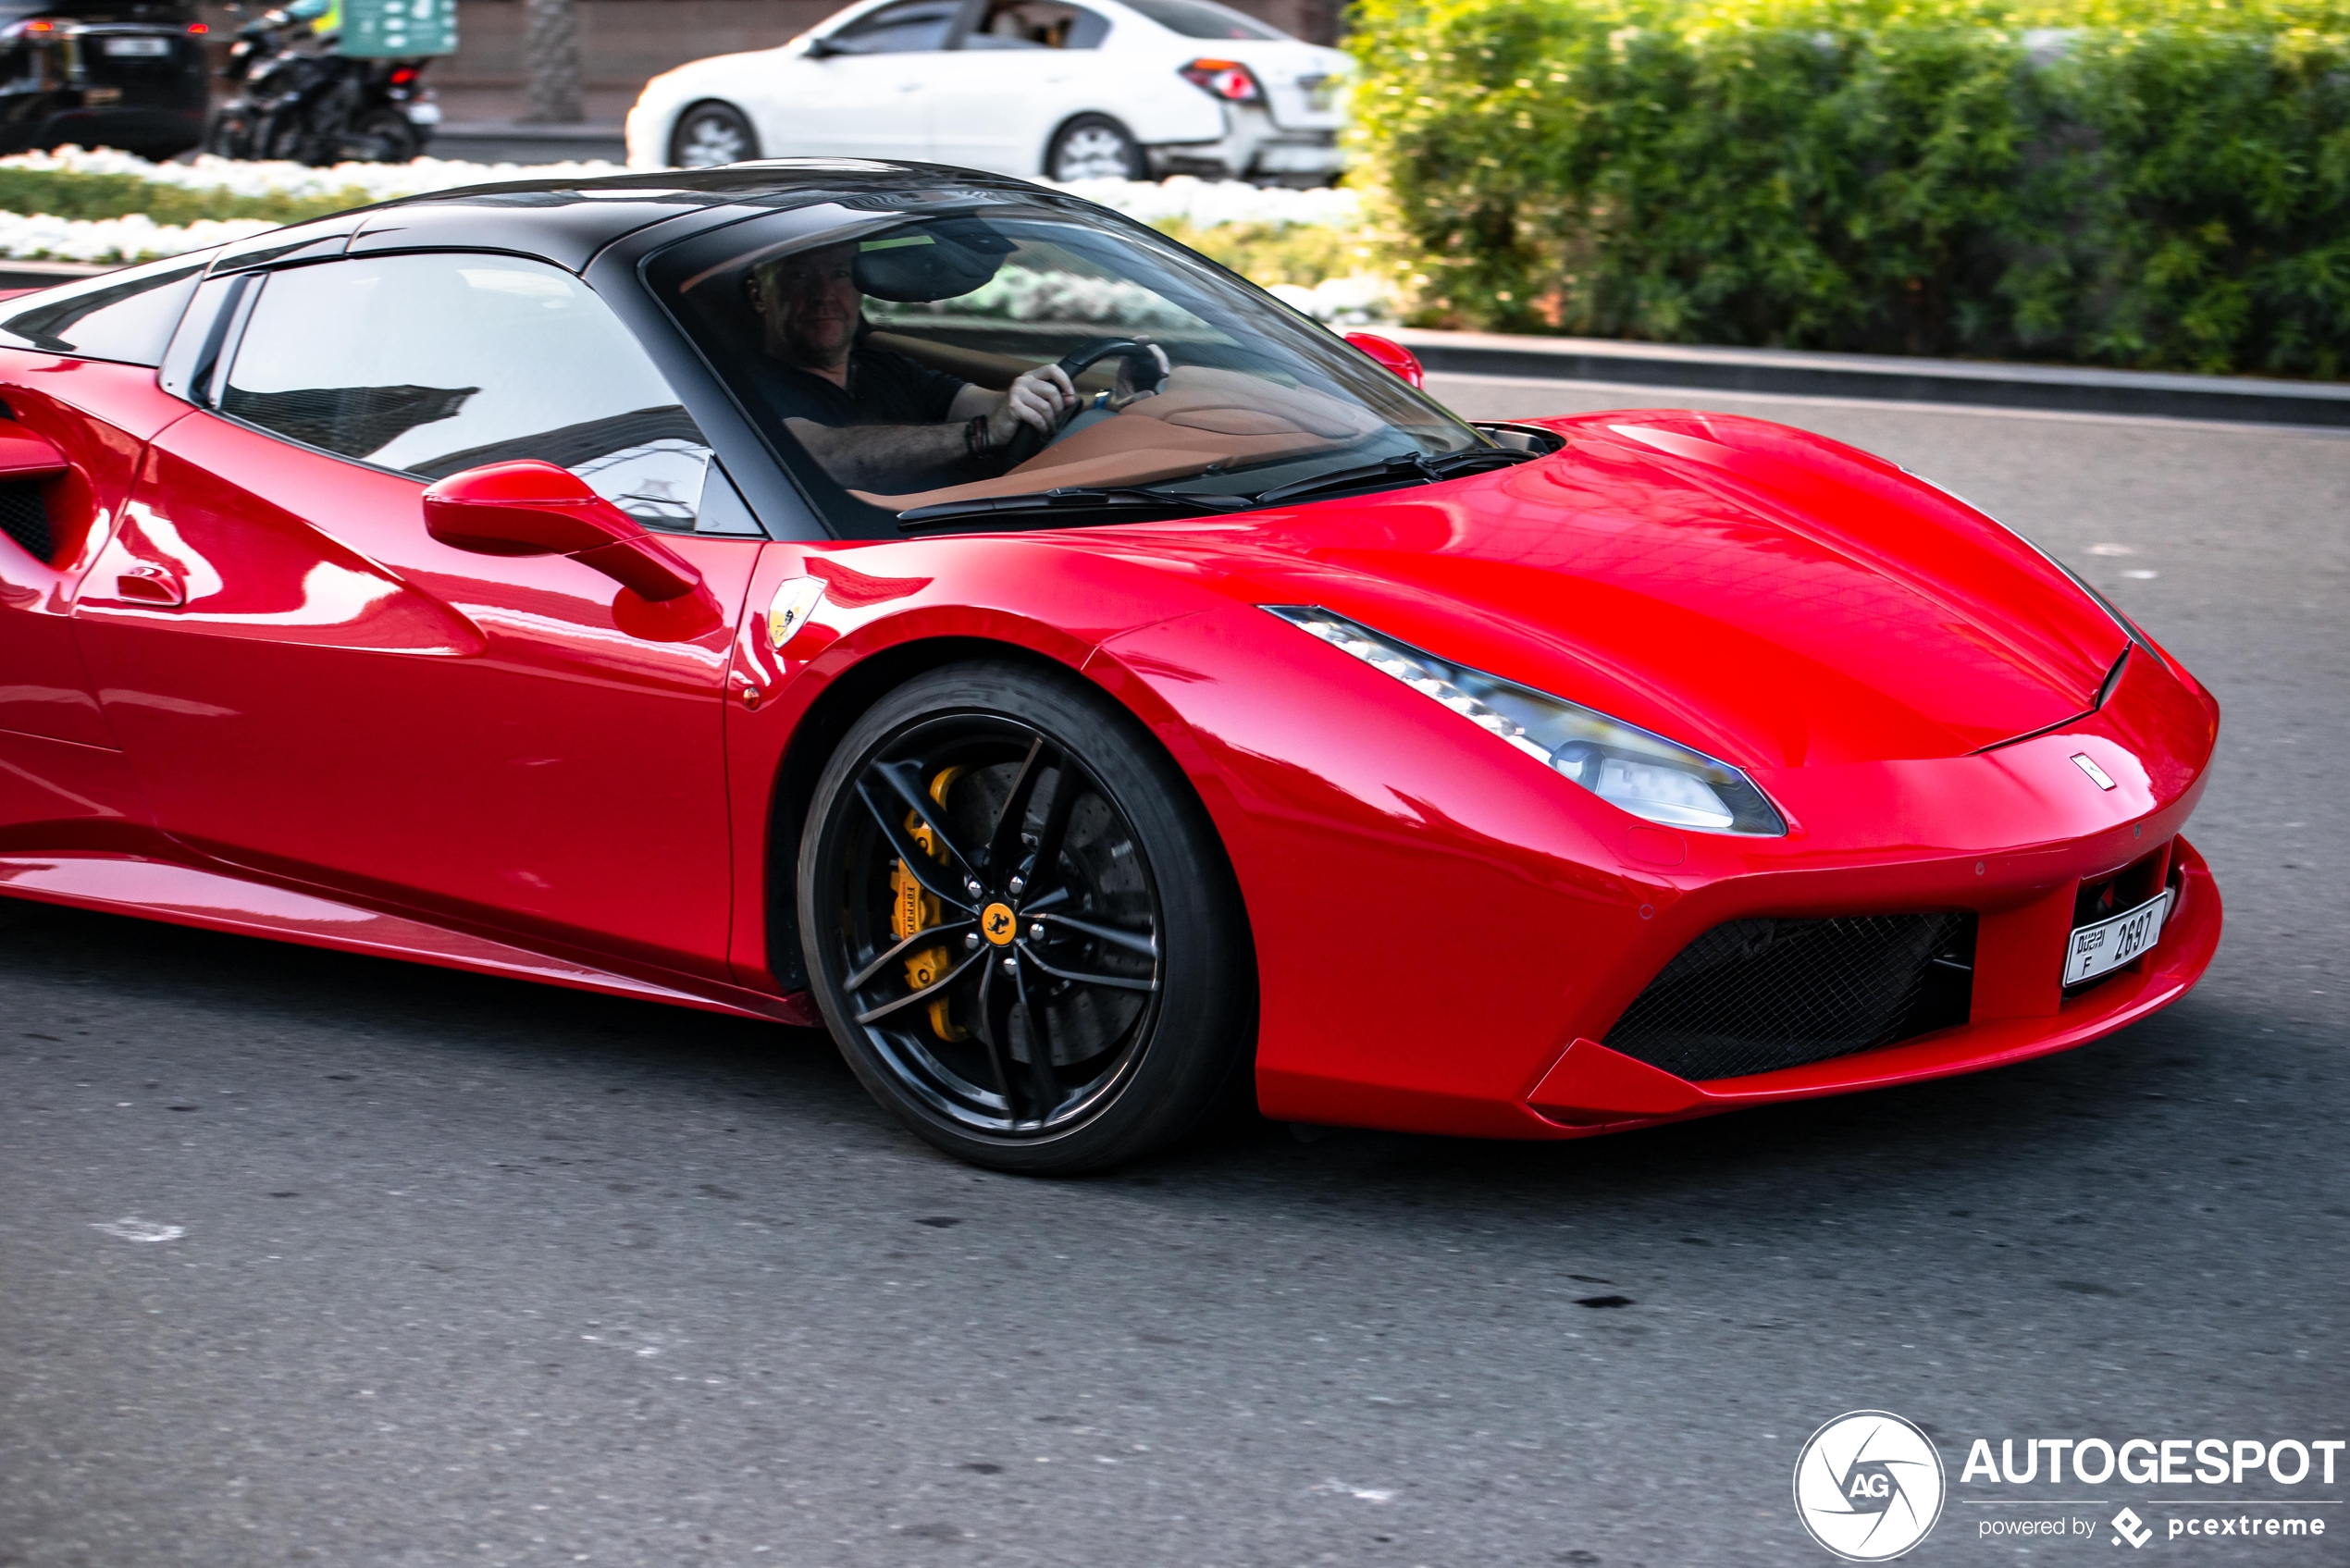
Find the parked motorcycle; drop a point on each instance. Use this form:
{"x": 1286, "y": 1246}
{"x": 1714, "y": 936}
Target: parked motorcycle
{"x": 293, "y": 97}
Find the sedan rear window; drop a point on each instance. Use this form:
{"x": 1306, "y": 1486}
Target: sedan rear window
{"x": 1036, "y": 24}
{"x": 1203, "y": 19}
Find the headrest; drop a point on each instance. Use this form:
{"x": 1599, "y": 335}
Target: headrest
{"x": 937, "y": 261}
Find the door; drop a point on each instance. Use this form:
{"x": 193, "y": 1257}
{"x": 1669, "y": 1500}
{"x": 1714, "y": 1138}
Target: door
{"x": 862, "y": 90}
{"x": 327, "y": 693}
{"x": 1025, "y": 68}
{"x": 71, "y": 431}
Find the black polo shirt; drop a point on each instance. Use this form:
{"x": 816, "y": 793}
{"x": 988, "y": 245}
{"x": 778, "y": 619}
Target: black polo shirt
{"x": 883, "y": 388}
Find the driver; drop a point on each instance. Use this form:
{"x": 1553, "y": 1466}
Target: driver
{"x": 878, "y": 420}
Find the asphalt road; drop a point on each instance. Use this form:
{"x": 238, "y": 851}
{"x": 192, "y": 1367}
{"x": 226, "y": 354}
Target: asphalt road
{"x": 471, "y": 1272}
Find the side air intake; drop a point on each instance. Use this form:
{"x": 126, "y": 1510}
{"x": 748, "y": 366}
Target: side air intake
{"x": 24, "y": 517}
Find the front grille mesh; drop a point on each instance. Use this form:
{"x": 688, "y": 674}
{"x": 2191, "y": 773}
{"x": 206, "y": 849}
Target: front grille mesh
{"x": 1754, "y": 995}
{"x": 24, "y": 517}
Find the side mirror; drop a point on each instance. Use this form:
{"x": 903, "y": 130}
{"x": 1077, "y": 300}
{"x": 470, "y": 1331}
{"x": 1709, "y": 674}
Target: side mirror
{"x": 533, "y": 507}
{"x": 823, "y": 49}
{"x": 1392, "y": 356}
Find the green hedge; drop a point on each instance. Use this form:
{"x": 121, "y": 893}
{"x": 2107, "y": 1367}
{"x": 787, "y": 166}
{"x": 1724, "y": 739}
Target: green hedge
{"x": 2141, "y": 183}
{"x": 66, "y": 193}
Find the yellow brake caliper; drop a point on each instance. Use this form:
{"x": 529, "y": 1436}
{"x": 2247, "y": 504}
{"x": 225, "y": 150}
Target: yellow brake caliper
{"x": 913, "y": 909}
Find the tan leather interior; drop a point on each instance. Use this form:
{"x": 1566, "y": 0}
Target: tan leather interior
{"x": 1206, "y": 418}
{"x": 977, "y": 366}
{"x": 982, "y": 368}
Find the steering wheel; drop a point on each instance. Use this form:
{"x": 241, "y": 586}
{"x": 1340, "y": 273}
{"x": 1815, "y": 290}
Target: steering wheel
{"x": 1028, "y": 440}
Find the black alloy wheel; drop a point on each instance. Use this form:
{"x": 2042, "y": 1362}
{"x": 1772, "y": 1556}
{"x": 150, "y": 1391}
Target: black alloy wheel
{"x": 1094, "y": 147}
{"x": 1019, "y": 925}
{"x": 710, "y": 135}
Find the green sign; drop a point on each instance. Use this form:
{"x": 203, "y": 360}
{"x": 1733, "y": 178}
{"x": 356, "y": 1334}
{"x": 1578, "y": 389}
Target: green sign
{"x": 391, "y": 30}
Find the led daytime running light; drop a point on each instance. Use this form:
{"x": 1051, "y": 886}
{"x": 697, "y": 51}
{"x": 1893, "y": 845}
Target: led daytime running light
{"x": 1628, "y": 767}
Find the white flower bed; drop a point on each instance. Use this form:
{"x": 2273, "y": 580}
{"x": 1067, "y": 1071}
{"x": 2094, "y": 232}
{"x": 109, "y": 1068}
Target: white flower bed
{"x": 367, "y": 182}
{"x": 1200, "y": 202}
{"x": 1359, "y": 301}
{"x": 1207, "y": 204}
{"x": 136, "y": 238}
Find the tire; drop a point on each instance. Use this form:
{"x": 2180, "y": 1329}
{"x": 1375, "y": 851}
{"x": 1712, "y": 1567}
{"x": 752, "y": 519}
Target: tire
{"x": 1094, "y": 147}
{"x": 384, "y": 135}
{"x": 279, "y": 135}
{"x": 710, "y": 134}
{"x": 1107, "y": 911}
{"x": 227, "y": 136}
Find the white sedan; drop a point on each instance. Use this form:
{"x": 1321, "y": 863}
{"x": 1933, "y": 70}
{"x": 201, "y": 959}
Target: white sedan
{"x": 1133, "y": 88}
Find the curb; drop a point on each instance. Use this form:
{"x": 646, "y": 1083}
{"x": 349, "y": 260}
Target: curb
{"x": 1882, "y": 377}
{"x": 514, "y": 141}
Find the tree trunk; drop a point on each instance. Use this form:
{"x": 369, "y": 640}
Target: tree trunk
{"x": 550, "y": 57}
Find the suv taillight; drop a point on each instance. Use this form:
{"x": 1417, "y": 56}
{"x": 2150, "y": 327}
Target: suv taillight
{"x": 1227, "y": 80}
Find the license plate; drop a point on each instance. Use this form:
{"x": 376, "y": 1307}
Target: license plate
{"x": 1320, "y": 92}
{"x": 2109, "y": 944}
{"x": 137, "y": 48}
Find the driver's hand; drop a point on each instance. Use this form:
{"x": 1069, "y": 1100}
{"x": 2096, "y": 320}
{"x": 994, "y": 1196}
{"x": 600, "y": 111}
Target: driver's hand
{"x": 1042, "y": 397}
{"x": 1128, "y": 388}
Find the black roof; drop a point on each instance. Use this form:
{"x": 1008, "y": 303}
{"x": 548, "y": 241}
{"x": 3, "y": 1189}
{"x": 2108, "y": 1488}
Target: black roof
{"x": 568, "y": 221}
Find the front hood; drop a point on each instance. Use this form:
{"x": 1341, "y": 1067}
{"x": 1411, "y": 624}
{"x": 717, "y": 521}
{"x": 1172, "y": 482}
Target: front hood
{"x": 1768, "y": 596}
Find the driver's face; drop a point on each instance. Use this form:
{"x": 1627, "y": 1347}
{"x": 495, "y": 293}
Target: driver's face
{"x": 809, "y": 303}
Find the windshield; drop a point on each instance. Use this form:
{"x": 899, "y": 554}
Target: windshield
{"x": 922, "y": 369}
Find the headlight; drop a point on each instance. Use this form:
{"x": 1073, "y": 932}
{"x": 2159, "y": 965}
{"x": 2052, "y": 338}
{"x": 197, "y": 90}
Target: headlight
{"x": 1643, "y": 774}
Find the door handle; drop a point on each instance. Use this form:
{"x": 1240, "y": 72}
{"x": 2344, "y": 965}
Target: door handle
{"x": 150, "y": 584}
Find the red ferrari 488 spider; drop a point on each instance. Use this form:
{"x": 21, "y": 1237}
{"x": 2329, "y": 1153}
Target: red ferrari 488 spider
{"x": 930, "y": 606}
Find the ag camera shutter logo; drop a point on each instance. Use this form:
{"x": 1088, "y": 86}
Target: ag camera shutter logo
{"x": 1869, "y": 1485}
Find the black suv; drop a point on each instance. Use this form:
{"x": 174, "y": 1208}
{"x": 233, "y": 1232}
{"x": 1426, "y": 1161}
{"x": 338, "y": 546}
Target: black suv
{"x": 129, "y": 75}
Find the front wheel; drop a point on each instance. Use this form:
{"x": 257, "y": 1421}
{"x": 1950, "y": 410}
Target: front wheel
{"x": 1019, "y": 924}
{"x": 709, "y": 135}
{"x": 1094, "y": 147}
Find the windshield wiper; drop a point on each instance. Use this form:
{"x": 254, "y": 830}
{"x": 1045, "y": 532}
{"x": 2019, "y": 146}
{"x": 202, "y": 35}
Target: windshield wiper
{"x": 1417, "y": 467}
{"x": 1075, "y": 497}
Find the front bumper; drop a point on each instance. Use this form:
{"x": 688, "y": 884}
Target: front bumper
{"x": 1442, "y": 932}
{"x": 1592, "y": 1089}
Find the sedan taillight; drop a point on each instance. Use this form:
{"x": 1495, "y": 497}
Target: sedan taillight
{"x": 1227, "y": 80}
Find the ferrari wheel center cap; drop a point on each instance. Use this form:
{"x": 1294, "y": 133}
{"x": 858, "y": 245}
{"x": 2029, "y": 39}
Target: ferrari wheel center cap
{"x": 999, "y": 923}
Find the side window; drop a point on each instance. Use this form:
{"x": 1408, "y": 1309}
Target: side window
{"x": 909, "y": 27}
{"x": 1036, "y": 24}
{"x": 435, "y": 363}
{"x": 127, "y": 316}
